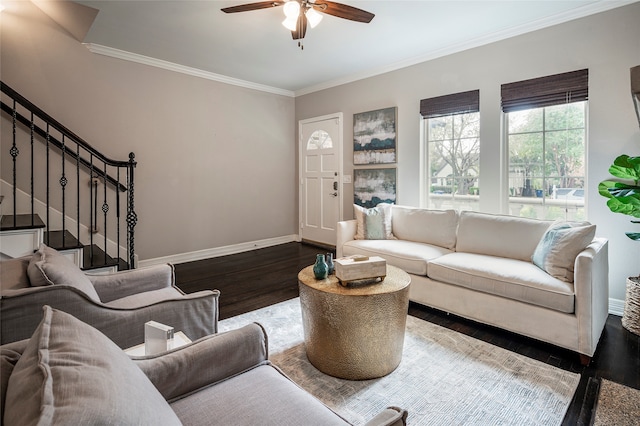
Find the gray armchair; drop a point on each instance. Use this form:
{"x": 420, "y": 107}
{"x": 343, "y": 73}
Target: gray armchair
{"x": 116, "y": 304}
{"x": 223, "y": 379}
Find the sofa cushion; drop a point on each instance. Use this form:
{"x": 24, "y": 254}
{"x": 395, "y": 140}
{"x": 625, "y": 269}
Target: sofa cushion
{"x": 72, "y": 374}
{"x": 274, "y": 400}
{"x": 48, "y": 267}
{"x": 409, "y": 256}
{"x": 437, "y": 227}
{"x": 373, "y": 223}
{"x": 499, "y": 235}
{"x": 510, "y": 278}
{"x": 558, "y": 248}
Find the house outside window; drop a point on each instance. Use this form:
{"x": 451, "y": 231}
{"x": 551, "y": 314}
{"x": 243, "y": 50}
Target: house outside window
{"x": 452, "y": 149}
{"x": 546, "y": 137}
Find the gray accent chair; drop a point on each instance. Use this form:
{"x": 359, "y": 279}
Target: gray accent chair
{"x": 70, "y": 373}
{"x": 116, "y": 304}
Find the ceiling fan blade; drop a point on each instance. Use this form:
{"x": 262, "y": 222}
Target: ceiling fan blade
{"x": 301, "y": 28}
{"x": 252, "y": 6}
{"x": 343, "y": 11}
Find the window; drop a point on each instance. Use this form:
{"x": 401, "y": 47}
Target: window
{"x": 546, "y": 139}
{"x": 319, "y": 139}
{"x": 452, "y": 138}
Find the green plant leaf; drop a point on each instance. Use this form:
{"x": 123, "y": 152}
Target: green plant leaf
{"x": 603, "y": 188}
{"x": 626, "y": 167}
{"x": 633, "y": 235}
{"x": 625, "y": 205}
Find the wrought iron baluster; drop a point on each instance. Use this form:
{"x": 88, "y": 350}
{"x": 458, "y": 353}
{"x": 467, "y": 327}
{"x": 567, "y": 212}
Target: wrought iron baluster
{"x": 63, "y": 184}
{"x": 31, "y": 128}
{"x": 105, "y": 210}
{"x": 78, "y": 193}
{"x": 132, "y": 218}
{"x": 118, "y": 215}
{"x": 14, "y": 151}
{"x": 92, "y": 195}
{"x": 48, "y": 141}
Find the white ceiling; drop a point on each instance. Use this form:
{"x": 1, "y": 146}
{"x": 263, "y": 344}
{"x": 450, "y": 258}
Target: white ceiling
{"x": 255, "y": 47}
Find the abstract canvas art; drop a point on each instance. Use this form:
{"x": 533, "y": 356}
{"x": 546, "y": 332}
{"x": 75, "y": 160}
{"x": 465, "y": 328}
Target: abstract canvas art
{"x": 374, "y": 186}
{"x": 374, "y": 136}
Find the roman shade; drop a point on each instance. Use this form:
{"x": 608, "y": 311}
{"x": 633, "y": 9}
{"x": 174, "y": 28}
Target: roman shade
{"x": 546, "y": 91}
{"x": 457, "y": 103}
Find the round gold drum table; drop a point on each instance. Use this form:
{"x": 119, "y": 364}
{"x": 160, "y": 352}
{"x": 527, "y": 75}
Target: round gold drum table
{"x": 354, "y": 333}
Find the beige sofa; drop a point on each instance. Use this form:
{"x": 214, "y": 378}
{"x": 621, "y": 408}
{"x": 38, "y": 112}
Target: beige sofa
{"x": 479, "y": 266}
{"x": 68, "y": 373}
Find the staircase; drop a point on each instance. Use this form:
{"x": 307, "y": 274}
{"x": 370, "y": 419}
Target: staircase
{"x": 57, "y": 189}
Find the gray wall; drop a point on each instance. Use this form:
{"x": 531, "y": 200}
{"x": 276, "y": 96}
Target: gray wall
{"x": 608, "y": 44}
{"x": 216, "y": 163}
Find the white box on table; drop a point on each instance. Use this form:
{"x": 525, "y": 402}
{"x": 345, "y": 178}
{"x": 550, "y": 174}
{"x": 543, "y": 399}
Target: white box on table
{"x": 350, "y": 268}
{"x": 157, "y": 337}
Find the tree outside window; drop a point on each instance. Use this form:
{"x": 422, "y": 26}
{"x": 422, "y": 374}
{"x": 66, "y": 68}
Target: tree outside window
{"x": 547, "y": 161}
{"x": 453, "y": 143}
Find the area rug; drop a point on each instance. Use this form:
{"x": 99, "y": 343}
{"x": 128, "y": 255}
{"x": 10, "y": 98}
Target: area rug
{"x": 445, "y": 378}
{"x": 617, "y": 405}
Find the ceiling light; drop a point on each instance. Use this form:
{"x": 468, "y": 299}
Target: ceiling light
{"x": 292, "y": 9}
{"x": 313, "y": 17}
{"x": 290, "y": 23}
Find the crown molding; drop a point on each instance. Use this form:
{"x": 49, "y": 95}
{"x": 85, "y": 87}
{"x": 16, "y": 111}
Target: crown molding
{"x": 560, "y": 18}
{"x": 171, "y": 66}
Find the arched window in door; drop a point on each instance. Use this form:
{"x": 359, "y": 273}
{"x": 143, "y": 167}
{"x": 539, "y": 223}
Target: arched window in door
{"x": 319, "y": 140}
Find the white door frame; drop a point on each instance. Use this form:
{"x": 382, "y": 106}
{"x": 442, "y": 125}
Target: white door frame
{"x": 339, "y": 117}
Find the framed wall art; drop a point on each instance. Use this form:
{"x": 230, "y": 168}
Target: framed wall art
{"x": 374, "y": 136}
{"x": 374, "y": 186}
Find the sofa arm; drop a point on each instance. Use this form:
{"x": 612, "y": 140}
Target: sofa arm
{"x": 346, "y": 231}
{"x": 591, "y": 287}
{"x": 392, "y": 416}
{"x": 125, "y": 283}
{"x": 195, "y": 314}
{"x": 206, "y": 361}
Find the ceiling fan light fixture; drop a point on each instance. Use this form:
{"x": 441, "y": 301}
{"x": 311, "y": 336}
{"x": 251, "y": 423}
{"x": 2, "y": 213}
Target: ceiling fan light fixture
{"x": 291, "y": 9}
{"x": 313, "y": 17}
{"x": 290, "y": 23}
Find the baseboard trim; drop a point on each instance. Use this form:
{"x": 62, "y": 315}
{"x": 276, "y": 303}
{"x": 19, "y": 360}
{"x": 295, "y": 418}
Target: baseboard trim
{"x": 616, "y": 307}
{"x": 219, "y": 251}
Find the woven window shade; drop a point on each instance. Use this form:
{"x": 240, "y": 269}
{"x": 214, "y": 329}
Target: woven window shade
{"x": 457, "y": 103}
{"x": 546, "y": 91}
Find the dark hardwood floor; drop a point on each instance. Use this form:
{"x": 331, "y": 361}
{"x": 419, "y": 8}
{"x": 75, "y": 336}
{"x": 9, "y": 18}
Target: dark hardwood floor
{"x": 259, "y": 278}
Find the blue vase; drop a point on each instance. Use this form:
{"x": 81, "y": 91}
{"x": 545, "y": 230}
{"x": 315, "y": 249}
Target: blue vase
{"x": 330, "y": 265}
{"x": 320, "y": 268}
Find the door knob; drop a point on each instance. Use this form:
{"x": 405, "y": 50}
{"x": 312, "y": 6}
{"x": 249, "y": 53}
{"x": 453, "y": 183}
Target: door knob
{"x": 333, "y": 194}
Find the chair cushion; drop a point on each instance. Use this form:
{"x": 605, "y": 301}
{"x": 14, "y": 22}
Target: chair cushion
{"x": 274, "y": 400}
{"x": 437, "y": 227}
{"x": 48, "y": 267}
{"x": 145, "y": 299}
{"x": 409, "y": 256}
{"x": 510, "y": 278}
{"x": 13, "y": 273}
{"x": 72, "y": 374}
{"x": 558, "y": 248}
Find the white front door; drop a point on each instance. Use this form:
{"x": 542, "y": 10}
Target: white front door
{"x": 320, "y": 178}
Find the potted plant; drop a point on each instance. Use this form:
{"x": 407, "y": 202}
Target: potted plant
{"x": 623, "y": 192}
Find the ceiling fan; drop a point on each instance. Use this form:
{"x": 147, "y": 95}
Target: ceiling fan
{"x": 299, "y": 13}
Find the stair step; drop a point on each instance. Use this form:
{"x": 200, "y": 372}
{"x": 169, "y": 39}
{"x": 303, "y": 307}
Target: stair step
{"x": 95, "y": 258}
{"x": 22, "y": 221}
{"x": 61, "y": 240}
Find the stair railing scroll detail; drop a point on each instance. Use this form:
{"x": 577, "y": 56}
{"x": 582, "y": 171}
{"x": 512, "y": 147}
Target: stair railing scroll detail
{"x": 54, "y": 152}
